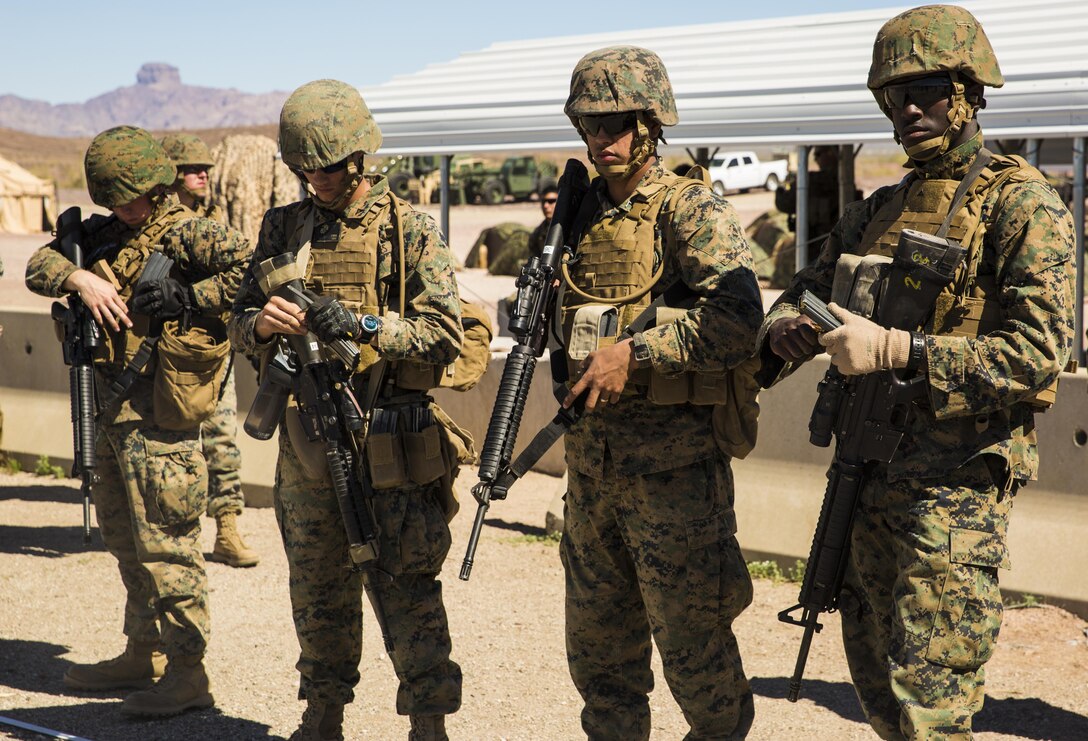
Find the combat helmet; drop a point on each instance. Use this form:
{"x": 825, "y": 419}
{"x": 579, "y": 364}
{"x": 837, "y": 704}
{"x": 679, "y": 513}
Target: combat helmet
{"x": 323, "y": 122}
{"x": 187, "y": 149}
{"x": 932, "y": 39}
{"x": 124, "y": 163}
{"x": 621, "y": 79}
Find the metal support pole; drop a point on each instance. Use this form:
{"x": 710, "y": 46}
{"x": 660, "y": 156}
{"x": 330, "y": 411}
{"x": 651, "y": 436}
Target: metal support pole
{"x": 801, "y": 239}
{"x": 444, "y": 195}
{"x": 1078, "y": 224}
{"x": 846, "y": 176}
{"x": 1031, "y": 151}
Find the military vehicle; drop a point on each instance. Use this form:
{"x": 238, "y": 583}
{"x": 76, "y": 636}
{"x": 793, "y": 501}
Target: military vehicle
{"x": 520, "y": 177}
{"x": 404, "y": 173}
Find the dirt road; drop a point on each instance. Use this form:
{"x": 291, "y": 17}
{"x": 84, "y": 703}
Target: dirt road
{"x": 61, "y": 604}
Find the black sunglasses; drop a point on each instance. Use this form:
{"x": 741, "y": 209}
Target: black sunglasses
{"x": 193, "y": 169}
{"x": 329, "y": 169}
{"x": 550, "y": 200}
{"x": 612, "y": 123}
{"x": 923, "y": 93}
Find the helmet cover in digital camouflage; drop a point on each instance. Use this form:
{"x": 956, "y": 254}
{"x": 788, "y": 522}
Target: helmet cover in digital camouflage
{"x": 928, "y": 40}
{"x": 124, "y": 163}
{"x": 933, "y": 38}
{"x": 617, "y": 79}
{"x": 323, "y": 122}
{"x": 186, "y": 149}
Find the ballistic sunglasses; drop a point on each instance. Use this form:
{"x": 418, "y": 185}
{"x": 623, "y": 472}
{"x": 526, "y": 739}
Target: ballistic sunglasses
{"x": 923, "y": 93}
{"x": 329, "y": 169}
{"x": 612, "y": 123}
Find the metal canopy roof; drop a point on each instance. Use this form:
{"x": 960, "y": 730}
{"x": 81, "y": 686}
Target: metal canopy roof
{"x": 759, "y": 83}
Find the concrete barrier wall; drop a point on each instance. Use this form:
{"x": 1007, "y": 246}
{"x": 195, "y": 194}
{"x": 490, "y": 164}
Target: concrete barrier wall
{"x": 779, "y": 487}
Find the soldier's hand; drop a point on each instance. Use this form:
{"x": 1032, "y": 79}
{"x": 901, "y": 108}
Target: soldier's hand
{"x": 165, "y": 298}
{"x": 330, "y": 320}
{"x": 279, "y": 316}
{"x": 794, "y": 338}
{"x": 605, "y": 374}
{"x": 100, "y": 296}
{"x": 861, "y": 346}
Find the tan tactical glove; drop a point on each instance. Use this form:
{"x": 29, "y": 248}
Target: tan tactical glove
{"x": 860, "y": 346}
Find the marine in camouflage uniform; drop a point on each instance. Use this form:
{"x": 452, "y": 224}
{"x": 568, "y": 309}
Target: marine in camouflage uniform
{"x": 326, "y": 124}
{"x": 153, "y": 480}
{"x": 649, "y": 545}
{"x": 930, "y": 529}
{"x": 219, "y": 432}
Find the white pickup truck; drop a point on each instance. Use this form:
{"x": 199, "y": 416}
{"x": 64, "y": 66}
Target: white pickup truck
{"x": 742, "y": 171}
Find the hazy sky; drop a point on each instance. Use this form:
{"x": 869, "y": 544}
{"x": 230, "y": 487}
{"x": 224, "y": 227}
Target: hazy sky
{"x": 67, "y": 51}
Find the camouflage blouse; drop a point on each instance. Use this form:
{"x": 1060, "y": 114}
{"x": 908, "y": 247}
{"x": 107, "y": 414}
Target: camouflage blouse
{"x": 978, "y": 385}
{"x": 431, "y": 330}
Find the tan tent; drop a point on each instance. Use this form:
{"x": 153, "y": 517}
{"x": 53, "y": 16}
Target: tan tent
{"x": 27, "y": 203}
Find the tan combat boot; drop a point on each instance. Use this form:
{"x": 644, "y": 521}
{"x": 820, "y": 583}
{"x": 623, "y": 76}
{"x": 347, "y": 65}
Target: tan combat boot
{"x": 321, "y": 722}
{"x": 184, "y": 685}
{"x": 428, "y": 728}
{"x": 137, "y": 667}
{"x": 229, "y": 546}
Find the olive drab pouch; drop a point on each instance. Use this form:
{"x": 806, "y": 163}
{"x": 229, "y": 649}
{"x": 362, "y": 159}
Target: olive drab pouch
{"x": 422, "y": 445}
{"x": 470, "y": 366}
{"x": 859, "y": 282}
{"x": 594, "y": 326}
{"x": 735, "y": 421}
{"x": 385, "y": 450}
{"x": 188, "y": 375}
{"x": 458, "y": 450}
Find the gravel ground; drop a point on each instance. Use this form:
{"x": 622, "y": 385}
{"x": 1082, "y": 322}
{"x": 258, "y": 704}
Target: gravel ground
{"x": 60, "y": 603}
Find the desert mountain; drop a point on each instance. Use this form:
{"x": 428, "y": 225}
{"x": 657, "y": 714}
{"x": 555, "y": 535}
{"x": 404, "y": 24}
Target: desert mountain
{"x": 158, "y": 100}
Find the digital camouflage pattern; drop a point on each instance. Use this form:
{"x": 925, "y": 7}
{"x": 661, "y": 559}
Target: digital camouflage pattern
{"x": 927, "y": 553}
{"x": 207, "y": 209}
{"x": 931, "y": 524}
{"x": 656, "y": 554}
{"x": 978, "y": 386}
{"x": 431, "y": 331}
{"x": 187, "y": 149}
{"x": 323, "y": 122}
{"x": 218, "y": 434}
{"x": 649, "y": 541}
{"x": 124, "y": 163}
{"x": 537, "y": 238}
{"x": 617, "y": 79}
{"x": 153, "y": 481}
{"x": 325, "y": 595}
{"x": 148, "y": 504}
{"x": 208, "y": 257}
{"x": 933, "y": 38}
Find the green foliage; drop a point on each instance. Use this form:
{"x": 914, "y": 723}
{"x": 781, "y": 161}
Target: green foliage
{"x": 1023, "y": 601}
{"x": 9, "y": 464}
{"x": 771, "y": 571}
{"x": 547, "y": 538}
{"x": 45, "y": 468}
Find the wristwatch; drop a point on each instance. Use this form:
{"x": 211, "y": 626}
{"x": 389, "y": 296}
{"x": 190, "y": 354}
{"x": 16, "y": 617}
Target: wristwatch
{"x": 368, "y": 327}
{"x": 917, "y": 351}
{"x": 641, "y": 350}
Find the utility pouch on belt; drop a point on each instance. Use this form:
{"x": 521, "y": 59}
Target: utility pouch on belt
{"x": 595, "y": 326}
{"x": 189, "y": 375}
{"x": 385, "y": 450}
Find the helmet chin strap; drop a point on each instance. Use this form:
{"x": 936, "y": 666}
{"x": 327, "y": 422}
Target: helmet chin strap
{"x": 643, "y": 146}
{"x": 355, "y": 176}
{"x": 958, "y": 115}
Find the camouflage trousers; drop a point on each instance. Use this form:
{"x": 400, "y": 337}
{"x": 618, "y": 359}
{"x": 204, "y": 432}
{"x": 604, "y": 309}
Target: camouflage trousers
{"x": 924, "y": 561}
{"x": 148, "y": 504}
{"x": 655, "y": 555}
{"x": 219, "y": 436}
{"x": 326, "y": 596}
